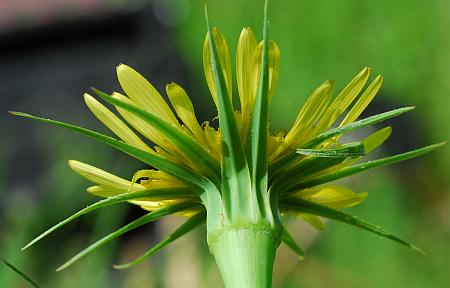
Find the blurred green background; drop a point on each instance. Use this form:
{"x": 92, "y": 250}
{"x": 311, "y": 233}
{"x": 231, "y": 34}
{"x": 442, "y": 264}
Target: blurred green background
{"x": 49, "y": 57}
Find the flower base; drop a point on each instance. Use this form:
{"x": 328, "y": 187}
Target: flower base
{"x": 245, "y": 256}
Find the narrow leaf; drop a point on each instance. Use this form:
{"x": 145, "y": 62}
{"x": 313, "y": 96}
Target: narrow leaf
{"x": 21, "y": 274}
{"x": 145, "y": 194}
{"x": 187, "y": 226}
{"x": 347, "y": 150}
{"x": 367, "y": 165}
{"x": 286, "y": 160}
{"x": 259, "y": 130}
{"x": 148, "y": 158}
{"x": 150, "y": 217}
{"x": 291, "y": 243}
{"x": 304, "y": 206}
{"x": 355, "y": 125}
{"x": 292, "y": 176}
{"x": 110, "y": 120}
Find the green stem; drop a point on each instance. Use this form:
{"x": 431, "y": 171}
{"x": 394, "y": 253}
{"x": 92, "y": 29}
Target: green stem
{"x": 245, "y": 255}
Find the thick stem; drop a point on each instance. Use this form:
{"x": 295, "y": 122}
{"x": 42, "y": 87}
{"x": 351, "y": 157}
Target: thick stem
{"x": 245, "y": 256}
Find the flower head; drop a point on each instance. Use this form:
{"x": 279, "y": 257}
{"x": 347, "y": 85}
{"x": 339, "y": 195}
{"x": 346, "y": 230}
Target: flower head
{"x": 241, "y": 173}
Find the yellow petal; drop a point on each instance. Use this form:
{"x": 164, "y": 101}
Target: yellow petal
{"x": 154, "y": 175}
{"x": 149, "y": 132}
{"x": 151, "y": 206}
{"x": 245, "y": 75}
{"x": 308, "y": 116}
{"x": 155, "y": 179}
{"x": 238, "y": 117}
{"x": 144, "y": 94}
{"x": 363, "y": 101}
{"x": 273, "y": 144}
{"x": 213, "y": 137}
{"x": 376, "y": 139}
{"x": 115, "y": 124}
{"x": 105, "y": 192}
{"x": 274, "y": 65}
{"x": 224, "y": 59}
{"x": 333, "y": 196}
{"x": 185, "y": 110}
{"x": 314, "y": 221}
{"x": 315, "y": 106}
{"x": 140, "y": 125}
{"x": 343, "y": 100}
{"x": 100, "y": 176}
{"x": 166, "y": 155}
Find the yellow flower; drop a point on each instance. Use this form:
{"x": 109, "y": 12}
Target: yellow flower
{"x": 241, "y": 175}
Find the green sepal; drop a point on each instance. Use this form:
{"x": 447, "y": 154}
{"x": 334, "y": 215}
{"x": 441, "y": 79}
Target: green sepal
{"x": 287, "y": 239}
{"x": 150, "y": 217}
{"x": 195, "y": 151}
{"x": 165, "y": 165}
{"x": 185, "y": 228}
{"x": 235, "y": 174}
{"x": 144, "y": 194}
{"x": 304, "y": 206}
{"x": 347, "y": 171}
{"x": 346, "y": 150}
{"x": 20, "y": 273}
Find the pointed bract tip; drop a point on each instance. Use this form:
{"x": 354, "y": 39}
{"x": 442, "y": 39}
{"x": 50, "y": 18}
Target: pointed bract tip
{"x": 417, "y": 249}
{"x": 266, "y": 6}
{"x": 119, "y": 266}
{"x": 206, "y": 17}
{"x": 95, "y": 90}
{"x": 440, "y": 144}
{"x": 16, "y": 113}
{"x": 100, "y": 93}
{"x": 409, "y": 108}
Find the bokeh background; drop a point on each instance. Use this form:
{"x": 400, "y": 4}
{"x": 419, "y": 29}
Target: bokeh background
{"x": 51, "y": 51}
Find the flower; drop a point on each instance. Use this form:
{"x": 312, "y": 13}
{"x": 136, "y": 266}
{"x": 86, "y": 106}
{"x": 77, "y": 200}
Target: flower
{"x": 240, "y": 174}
